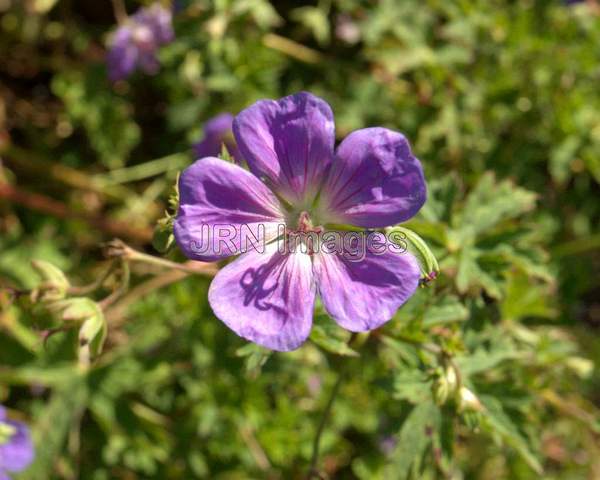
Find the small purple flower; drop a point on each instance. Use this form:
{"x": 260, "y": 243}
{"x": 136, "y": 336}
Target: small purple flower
{"x": 218, "y": 131}
{"x": 346, "y": 29}
{"x": 135, "y": 43}
{"x": 16, "y": 448}
{"x": 387, "y": 444}
{"x": 297, "y": 179}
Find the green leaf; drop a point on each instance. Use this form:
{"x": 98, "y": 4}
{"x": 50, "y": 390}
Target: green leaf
{"x": 56, "y": 419}
{"x": 105, "y": 117}
{"x": 497, "y": 422}
{"x": 414, "y": 438}
{"x": 255, "y": 357}
{"x": 450, "y": 310}
{"x": 526, "y": 298}
{"x": 413, "y": 386}
{"x": 316, "y": 20}
{"x": 482, "y": 359}
{"x": 491, "y": 202}
{"x": 330, "y": 337}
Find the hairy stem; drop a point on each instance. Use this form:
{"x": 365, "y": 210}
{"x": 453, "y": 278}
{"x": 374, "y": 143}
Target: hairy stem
{"x": 119, "y": 11}
{"x": 120, "y": 291}
{"x": 50, "y": 206}
{"x": 313, "y": 470}
{"x": 119, "y": 249}
{"x": 95, "y": 285}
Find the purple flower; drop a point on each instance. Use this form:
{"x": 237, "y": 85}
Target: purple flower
{"x": 387, "y": 444}
{"x": 297, "y": 180}
{"x": 218, "y": 131}
{"x": 16, "y": 448}
{"x": 135, "y": 43}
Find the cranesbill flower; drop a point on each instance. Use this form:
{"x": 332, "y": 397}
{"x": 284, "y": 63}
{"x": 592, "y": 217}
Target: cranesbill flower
{"x": 297, "y": 179}
{"x": 218, "y": 132}
{"x": 16, "y": 448}
{"x": 135, "y": 43}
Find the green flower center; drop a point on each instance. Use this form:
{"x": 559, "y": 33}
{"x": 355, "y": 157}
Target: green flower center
{"x": 6, "y": 432}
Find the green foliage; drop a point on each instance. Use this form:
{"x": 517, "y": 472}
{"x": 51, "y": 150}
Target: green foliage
{"x": 106, "y": 119}
{"x": 490, "y": 371}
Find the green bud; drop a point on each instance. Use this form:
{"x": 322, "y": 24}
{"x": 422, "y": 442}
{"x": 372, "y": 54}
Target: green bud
{"x": 225, "y": 155}
{"x": 75, "y": 310}
{"x": 439, "y": 389}
{"x": 54, "y": 284}
{"x": 451, "y": 377}
{"x": 163, "y": 239}
{"x": 472, "y": 419}
{"x": 92, "y": 335}
{"x": 174, "y": 197}
{"x": 6, "y": 432}
{"x": 417, "y": 246}
{"x": 581, "y": 366}
{"x": 88, "y": 314}
{"x": 445, "y": 384}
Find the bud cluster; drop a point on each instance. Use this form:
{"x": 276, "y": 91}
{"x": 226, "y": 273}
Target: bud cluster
{"x": 72, "y": 312}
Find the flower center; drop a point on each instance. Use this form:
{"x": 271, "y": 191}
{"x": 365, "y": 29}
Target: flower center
{"x": 143, "y": 38}
{"x": 304, "y": 236}
{"x": 6, "y": 432}
{"x": 305, "y": 224}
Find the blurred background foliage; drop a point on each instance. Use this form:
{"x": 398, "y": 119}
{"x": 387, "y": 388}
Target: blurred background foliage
{"x": 500, "y": 101}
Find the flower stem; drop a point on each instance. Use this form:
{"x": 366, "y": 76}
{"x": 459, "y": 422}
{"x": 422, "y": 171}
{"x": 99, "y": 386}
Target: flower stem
{"x": 123, "y": 286}
{"x": 119, "y": 249}
{"x": 119, "y": 11}
{"x": 313, "y": 471}
{"x": 95, "y": 285}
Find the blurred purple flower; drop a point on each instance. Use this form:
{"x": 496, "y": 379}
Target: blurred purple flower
{"x": 297, "y": 180}
{"x": 218, "y": 131}
{"x": 16, "y": 447}
{"x": 135, "y": 43}
{"x": 346, "y": 29}
{"x": 387, "y": 444}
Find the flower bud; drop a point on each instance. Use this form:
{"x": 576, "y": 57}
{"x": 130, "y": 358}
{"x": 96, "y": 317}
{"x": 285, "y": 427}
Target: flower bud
{"x": 88, "y": 314}
{"x": 53, "y": 285}
{"x": 444, "y": 385}
{"x": 472, "y": 419}
{"x": 440, "y": 390}
{"x": 92, "y": 335}
{"x": 163, "y": 239}
{"x": 581, "y": 366}
{"x": 417, "y": 246}
{"x": 468, "y": 401}
{"x": 76, "y": 309}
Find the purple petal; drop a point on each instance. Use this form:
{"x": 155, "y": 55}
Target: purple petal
{"x": 18, "y": 453}
{"x": 222, "y": 208}
{"x": 122, "y": 56}
{"x": 289, "y": 142}
{"x": 363, "y": 294}
{"x": 375, "y": 180}
{"x": 267, "y": 298}
{"x": 218, "y": 131}
{"x": 136, "y": 42}
{"x": 159, "y": 19}
{"x": 148, "y": 62}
